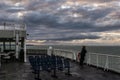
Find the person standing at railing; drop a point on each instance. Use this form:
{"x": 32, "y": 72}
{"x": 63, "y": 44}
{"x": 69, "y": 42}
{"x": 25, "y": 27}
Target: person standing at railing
{"x": 81, "y": 56}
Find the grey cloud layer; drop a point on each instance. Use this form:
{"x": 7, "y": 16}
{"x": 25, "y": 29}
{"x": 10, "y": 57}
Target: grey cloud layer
{"x": 59, "y": 18}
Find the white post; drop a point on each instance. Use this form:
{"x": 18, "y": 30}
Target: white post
{"x": 17, "y": 45}
{"x": 25, "y": 59}
{"x": 106, "y": 64}
{"x": 74, "y": 57}
{"x": 89, "y": 59}
{"x": 97, "y": 60}
{"x": 49, "y": 52}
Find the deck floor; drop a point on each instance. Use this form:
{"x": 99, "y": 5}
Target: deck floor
{"x": 22, "y": 71}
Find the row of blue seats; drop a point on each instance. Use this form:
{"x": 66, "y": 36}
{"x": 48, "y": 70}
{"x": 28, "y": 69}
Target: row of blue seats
{"x": 48, "y": 63}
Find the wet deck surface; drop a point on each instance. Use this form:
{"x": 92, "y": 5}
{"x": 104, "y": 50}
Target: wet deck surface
{"x": 22, "y": 71}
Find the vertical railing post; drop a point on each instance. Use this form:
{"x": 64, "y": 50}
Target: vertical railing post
{"x": 74, "y": 58}
{"x": 89, "y": 59}
{"x": 97, "y": 60}
{"x": 106, "y": 64}
{"x": 65, "y": 55}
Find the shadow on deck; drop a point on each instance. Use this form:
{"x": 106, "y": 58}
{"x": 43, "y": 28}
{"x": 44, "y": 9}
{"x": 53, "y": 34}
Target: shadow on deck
{"x": 22, "y": 71}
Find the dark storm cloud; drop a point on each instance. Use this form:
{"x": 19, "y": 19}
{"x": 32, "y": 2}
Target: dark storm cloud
{"x": 38, "y": 18}
{"x": 75, "y": 38}
{"x": 81, "y": 26}
{"x": 60, "y": 19}
{"x": 50, "y": 21}
{"x": 66, "y": 36}
{"x": 2, "y": 6}
{"x": 106, "y": 28}
{"x": 14, "y": 9}
{"x": 10, "y": 8}
{"x": 100, "y": 13}
{"x": 43, "y": 4}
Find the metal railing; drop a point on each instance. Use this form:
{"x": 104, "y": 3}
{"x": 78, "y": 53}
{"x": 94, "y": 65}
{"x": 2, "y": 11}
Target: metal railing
{"x": 105, "y": 61}
{"x": 36, "y": 51}
{"x": 12, "y": 26}
{"x": 65, "y": 53}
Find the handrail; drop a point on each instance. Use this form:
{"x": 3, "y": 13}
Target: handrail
{"x": 106, "y": 61}
{"x": 105, "y": 64}
{"x": 12, "y": 26}
{"x": 104, "y": 54}
{"x": 66, "y": 53}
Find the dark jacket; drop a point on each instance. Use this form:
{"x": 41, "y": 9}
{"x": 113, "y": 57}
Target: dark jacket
{"x": 83, "y": 53}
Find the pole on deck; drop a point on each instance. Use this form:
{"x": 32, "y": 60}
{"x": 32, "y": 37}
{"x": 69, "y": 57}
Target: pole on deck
{"x": 23, "y": 46}
{"x": 17, "y": 45}
{"x": 25, "y": 60}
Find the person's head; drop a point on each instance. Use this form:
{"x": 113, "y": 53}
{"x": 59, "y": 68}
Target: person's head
{"x": 83, "y": 47}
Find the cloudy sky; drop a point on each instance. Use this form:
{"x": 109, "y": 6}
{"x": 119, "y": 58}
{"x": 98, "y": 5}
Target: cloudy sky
{"x": 89, "y": 22}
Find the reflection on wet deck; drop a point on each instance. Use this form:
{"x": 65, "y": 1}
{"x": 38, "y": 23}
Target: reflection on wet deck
{"x": 22, "y": 71}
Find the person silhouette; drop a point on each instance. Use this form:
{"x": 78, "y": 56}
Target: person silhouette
{"x": 82, "y": 56}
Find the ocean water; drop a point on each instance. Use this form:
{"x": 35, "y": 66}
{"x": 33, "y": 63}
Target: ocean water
{"x": 112, "y": 50}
